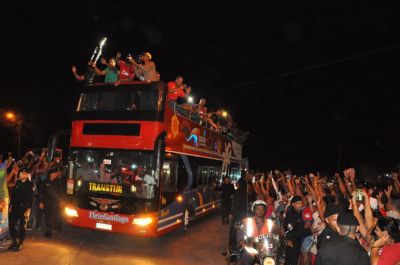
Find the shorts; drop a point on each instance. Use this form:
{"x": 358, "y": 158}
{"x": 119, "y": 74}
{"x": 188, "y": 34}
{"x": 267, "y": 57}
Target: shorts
{"x": 306, "y": 243}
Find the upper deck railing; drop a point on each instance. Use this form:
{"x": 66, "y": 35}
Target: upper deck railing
{"x": 195, "y": 117}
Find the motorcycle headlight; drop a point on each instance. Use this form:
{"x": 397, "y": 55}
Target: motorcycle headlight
{"x": 269, "y": 261}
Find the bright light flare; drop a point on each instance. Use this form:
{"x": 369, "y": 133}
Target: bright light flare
{"x": 103, "y": 41}
{"x": 10, "y": 116}
{"x": 249, "y": 227}
{"x": 270, "y": 224}
{"x": 224, "y": 114}
{"x": 269, "y": 261}
{"x": 179, "y": 198}
{"x": 71, "y": 212}
{"x": 190, "y": 99}
{"x": 251, "y": 251}
{"x": 142, "y": 221}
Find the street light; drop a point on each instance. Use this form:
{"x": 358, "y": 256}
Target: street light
{"x": 11, "y": 116}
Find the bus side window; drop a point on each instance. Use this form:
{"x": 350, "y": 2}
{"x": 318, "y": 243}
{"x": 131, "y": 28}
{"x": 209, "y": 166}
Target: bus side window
{"x": 182, "y": 177}
{"x": 169, "y": 176}
{"x": 202, "y": 176}
{"x": 213, "y": 177}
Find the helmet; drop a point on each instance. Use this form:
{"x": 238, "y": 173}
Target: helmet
{"x": 258, "y": 202}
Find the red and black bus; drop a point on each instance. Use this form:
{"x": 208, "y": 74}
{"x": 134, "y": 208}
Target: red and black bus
{"x": 142, "y": 165}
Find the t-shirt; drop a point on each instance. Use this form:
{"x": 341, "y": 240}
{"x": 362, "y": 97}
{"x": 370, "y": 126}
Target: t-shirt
{"x": 126, "y": 71}
{"x": 390, "y": 255}
{"x": 147, "y": 72}
{"x": 307, "y": 214}
{"x": 91, "y": 76}
{"x": 111, "y": 75}
{"x": 174, "y": 92}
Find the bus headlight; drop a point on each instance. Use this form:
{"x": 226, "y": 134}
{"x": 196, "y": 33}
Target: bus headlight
{"x": 142, "y": 221}
{"x": 269, "y": 261}
{"x": 71, "y": 212}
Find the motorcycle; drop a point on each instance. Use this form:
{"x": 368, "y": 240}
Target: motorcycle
{"x": 265, "y": 248}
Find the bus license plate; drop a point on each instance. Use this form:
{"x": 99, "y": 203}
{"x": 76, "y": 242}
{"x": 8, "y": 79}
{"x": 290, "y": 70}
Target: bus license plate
{"x": 104, "y": 226}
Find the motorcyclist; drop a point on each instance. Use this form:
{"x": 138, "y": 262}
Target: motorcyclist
{"x": 254, "y": 227}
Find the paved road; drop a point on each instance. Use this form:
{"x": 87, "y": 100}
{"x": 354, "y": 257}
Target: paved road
{"x": 202, "y": 244}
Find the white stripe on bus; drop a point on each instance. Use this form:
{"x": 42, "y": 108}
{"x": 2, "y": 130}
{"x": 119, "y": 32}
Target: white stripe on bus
{"x": 167, "y": 226}
{"x": 169, "y": 218}
{"x": 207, "y": 204}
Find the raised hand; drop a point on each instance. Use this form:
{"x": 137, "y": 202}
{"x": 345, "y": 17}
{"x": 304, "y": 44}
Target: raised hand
{"x": 382, "y": 241}
{"x": 74, "y": 69}
{"x": 389, "y": 190}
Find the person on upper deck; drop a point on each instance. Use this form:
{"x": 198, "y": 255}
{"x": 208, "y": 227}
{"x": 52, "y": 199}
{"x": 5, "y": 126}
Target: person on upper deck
{"x": 201, "y": 110}
{"x": 147, "y": 70}
{"x": 111, "y": 72}
{"x": 126, "y": 70}
{"x": 89, "y": 76}
{"x": 175, "y": 88}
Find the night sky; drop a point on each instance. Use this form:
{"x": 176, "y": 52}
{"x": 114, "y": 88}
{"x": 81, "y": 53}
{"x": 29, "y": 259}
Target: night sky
{"x": 304, "y": 77}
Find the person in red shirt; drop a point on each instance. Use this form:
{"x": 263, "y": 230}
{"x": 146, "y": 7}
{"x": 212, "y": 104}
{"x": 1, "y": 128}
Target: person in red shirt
{"x": 176, "y": 89}
{"x": 126, "y": 70}
{"x": 385, "y": 250}
{"x": 201, "y": 110}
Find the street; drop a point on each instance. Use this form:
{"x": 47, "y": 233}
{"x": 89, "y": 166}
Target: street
{"x": 202, "y": 244}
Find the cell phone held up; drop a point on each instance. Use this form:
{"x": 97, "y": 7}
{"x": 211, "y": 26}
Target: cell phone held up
{"x": 359, "y": 195}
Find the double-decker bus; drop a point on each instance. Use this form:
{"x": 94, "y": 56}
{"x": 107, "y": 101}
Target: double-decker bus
{"x": 140, "y": 164}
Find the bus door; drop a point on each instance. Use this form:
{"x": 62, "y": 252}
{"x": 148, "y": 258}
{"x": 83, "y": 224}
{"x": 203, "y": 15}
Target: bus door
{"x": 174, "y": 182}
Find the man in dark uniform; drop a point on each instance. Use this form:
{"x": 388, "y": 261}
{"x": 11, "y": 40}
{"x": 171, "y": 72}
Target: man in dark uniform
{"x": 331, "y": 229}
{"x": 345, "y": 249}
{"x": 20, "y": 207}
{"x": 239, "y": 210}
{"x": 49, "y": 197}
{"x": 296, "y": 230}
{"x": 227, "y": 191}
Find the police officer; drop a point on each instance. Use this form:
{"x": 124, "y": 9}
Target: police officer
{"x": 345, "y": 249}
{"x": 255, "y": 227}
{"x": 20, "y": 207}
{"x": 49, "y": 199}
{"x": 296, "y": 230}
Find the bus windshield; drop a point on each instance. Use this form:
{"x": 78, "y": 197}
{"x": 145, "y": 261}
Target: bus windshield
{"x": 131, "y": 170}
{"x": 123, "y": 98}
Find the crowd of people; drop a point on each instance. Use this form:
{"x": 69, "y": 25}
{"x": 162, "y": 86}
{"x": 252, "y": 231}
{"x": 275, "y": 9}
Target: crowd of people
{"x": 117, "y": 70}
{"x": 321, "y": 220}
{"x": 30, "y": 190}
